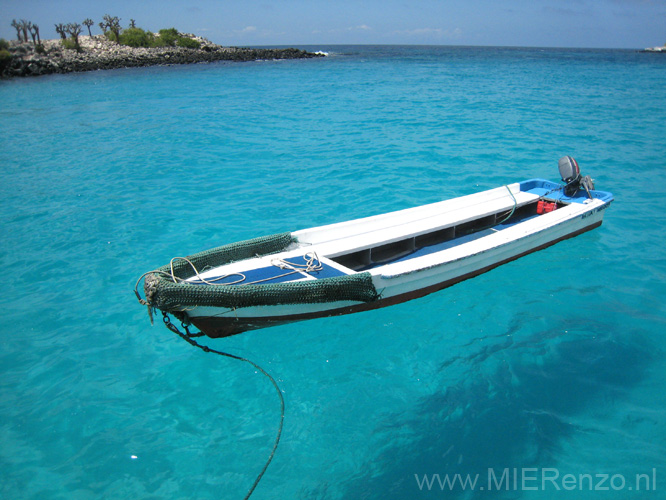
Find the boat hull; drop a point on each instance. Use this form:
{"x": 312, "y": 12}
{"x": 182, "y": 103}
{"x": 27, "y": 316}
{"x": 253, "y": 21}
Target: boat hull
{"x": 228, "y": 323}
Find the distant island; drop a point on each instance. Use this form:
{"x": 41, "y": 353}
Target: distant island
{"x": 117, "y": 48}
{"x": 655, "y": 49}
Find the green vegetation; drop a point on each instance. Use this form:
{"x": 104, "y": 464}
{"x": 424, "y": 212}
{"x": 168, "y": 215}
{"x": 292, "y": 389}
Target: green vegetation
{"x": 138, "y": 37}
{"x": 5, "y": 56}
{"x": 188, "y": 43}
{"x": 74, "y": 30}
{"x": 170, "y": 36}
{"x": 110, "y": 26}
{"x": 68, "y": 44}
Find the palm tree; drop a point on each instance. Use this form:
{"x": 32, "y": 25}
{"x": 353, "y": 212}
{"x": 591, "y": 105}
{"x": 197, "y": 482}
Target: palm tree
{"x": 88, "y": 22}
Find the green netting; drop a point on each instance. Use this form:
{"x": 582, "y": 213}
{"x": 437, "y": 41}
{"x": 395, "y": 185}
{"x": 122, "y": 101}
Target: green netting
{"x": 232, "y": 252}
{"x": 169, "y": 296}
{"x": 161, "y": 291}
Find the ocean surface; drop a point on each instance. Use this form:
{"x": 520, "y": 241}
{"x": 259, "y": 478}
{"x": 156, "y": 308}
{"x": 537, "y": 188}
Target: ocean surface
{"x": 539, "y": 378}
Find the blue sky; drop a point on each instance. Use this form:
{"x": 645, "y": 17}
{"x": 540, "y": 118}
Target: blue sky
{"x": 532, "y": 23}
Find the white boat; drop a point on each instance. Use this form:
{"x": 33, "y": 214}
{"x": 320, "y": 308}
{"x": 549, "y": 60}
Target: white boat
{"x": 372, "y": 262}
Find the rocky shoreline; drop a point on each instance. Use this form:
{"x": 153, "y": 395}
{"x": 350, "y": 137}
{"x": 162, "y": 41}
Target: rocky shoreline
{"x": 98, "y": 53}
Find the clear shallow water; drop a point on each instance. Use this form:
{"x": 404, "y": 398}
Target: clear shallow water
{"x": 555, "y": 361}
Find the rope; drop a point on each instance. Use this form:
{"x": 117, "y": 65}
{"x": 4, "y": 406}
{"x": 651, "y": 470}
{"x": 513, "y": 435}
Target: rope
{"x": 312, "y": 264}
{"x": 308, "y": 267}
{"x": 202, "y": 280}
{"x": 515, "y": 204}
{"x": 558, "y": 188}
{"x": 187, "y": 336}
{"x": 581, "y": 182}
{"x": 490, "y": 226}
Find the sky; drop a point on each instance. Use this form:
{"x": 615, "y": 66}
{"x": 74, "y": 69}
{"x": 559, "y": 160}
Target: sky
{"x": 632, "y": 24}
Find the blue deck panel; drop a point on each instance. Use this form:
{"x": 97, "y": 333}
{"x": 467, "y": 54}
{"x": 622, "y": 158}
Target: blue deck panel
{"x": 273, "y": 274}
{"x": 541, "y": 187}
{"x": 327, "y": 272}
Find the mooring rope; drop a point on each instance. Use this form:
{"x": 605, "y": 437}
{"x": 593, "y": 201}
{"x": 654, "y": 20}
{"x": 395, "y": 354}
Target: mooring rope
{"x": 187, "y": 336}
{"x": 200, "y": 278}
{"x": 311, "y": 264}
{"x": 515, "y": 204}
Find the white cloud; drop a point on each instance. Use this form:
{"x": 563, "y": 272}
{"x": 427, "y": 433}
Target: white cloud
{"x": 362, "y": 27}
{"x": 351, "y": 29}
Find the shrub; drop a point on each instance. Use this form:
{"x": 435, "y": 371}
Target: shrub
{"x": 5, "y": 58}
{"x": 169, "y": 36}
{"x": 4, "y": 44}
{"x": 136, "y": 37}
{"x": 188, "y": 43}
{"x": 69, "y": 44}
{"x": 40, "y": 49}
{"x": 157, "y": 42}
{"x": 111, "y": 36}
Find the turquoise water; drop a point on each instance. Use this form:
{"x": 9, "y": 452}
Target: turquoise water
{"x": 554, "y": 362}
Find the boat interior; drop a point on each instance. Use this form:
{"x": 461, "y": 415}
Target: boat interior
{"x": 441, "y": 239}
{"x": 325, "y": 266}
{"x": 546, "y": 197}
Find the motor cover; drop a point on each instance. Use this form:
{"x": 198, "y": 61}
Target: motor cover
{"x": 569, "y": 170}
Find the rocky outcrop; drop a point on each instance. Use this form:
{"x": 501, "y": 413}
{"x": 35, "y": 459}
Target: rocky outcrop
{"x": 97, "y": 53}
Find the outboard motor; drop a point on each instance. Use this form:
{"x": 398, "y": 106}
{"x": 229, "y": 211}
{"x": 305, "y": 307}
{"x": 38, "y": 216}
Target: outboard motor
{"x": 570, "y": 173}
